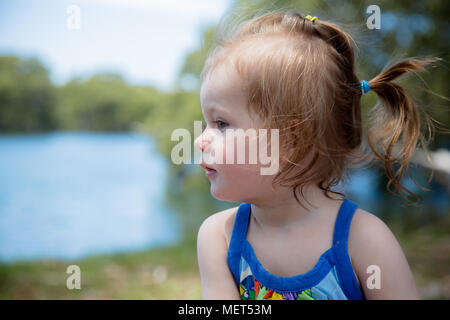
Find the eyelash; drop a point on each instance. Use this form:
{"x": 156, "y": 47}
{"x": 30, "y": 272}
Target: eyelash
{"x": 220, "y": 121}
{"x": 217, "y": 124}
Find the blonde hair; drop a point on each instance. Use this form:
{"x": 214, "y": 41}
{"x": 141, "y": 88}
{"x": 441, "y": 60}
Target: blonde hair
{"x": 299, "y": 76}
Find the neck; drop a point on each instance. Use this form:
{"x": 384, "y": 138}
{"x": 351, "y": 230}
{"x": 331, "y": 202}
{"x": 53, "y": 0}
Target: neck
{"x": 282, "y": 210}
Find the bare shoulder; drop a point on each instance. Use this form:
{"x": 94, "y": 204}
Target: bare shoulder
{"x": 367, "y": 229}
{"x": 220, "y": 224}
{"x": 212, "y": 249}
{"x": 367, "y": 233}
{"x": 373, "y": 248}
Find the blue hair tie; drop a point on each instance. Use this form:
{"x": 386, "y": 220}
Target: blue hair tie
{"x": 365, "y": 86}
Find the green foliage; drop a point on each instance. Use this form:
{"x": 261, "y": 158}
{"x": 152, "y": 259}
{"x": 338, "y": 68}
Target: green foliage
{"x": 179, "y": 110}
{"x": 26, "y": 96}
{"x": 29, "y": 102}
{"x": 104, "y": 103}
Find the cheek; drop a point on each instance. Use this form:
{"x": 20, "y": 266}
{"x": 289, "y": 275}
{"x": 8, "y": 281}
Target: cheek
{"x": 235, "y": 182}
{"x": 240, "y": 151}
{"x": 226, "y": 150}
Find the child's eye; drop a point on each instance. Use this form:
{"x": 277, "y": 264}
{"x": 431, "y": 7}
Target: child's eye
{"x": 221, "y": 124}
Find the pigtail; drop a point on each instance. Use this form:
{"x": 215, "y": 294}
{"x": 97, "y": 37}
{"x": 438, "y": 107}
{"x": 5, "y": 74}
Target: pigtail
{"x": 395, "y": 123}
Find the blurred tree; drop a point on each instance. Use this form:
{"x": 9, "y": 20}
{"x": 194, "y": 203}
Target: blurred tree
{"x": 103, "y": 103}
{"x": 26, "y": 96}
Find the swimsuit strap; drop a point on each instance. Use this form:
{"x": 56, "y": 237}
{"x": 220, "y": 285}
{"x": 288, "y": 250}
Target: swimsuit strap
{"x": 237, "y": 238}
{"x": 343, "y": 220}
{"x": 342, "y": 259}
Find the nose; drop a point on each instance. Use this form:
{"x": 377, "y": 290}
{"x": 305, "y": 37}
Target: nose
{"x": 201, "y": 142}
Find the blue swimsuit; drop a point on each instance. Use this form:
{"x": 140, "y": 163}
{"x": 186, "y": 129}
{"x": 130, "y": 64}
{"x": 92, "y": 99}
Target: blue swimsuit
{"x": 331, "y": 278}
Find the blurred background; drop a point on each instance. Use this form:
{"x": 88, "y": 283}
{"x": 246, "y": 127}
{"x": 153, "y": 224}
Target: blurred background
{"x": 90, "y": 92}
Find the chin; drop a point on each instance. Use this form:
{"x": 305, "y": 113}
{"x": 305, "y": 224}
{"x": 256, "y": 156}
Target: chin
{"x": 227, "y": 196}
{"x": 219, "y": 195}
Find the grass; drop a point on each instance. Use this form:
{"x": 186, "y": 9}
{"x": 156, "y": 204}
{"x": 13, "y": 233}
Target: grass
{"x": 172, "y": 273}
{"x": 163, "y": 273}
{"x": 428, "y": 254}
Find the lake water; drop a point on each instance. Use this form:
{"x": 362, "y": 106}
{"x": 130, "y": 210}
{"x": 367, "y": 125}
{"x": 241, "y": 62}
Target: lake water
{"x": 70, "y": 194}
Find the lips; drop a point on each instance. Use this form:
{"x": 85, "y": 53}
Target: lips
{"x": 208, "y": 169}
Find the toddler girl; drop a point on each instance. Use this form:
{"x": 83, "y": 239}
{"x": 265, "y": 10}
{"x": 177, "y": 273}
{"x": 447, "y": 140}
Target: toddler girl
{"x": 293, "y": 237}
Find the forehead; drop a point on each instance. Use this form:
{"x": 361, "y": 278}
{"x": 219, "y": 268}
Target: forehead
{"x": 222, "y": 85}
